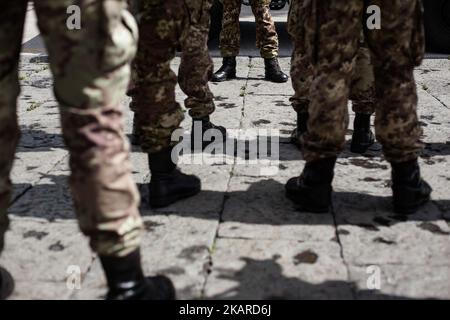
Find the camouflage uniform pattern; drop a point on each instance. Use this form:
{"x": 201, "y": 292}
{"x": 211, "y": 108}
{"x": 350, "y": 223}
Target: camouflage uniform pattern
{"x": 362, "y": 92}
{"x": 332, "y": 33}
{"x": 91, "y": 71}
{"x": 266, "y": 34}
{"x": 164, "y": 26}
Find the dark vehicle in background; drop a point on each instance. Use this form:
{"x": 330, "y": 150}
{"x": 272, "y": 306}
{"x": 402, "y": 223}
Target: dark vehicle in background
{"x": 437, "y": 25}
{"x": 437, "y": 22}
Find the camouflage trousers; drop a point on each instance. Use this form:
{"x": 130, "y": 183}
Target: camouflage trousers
{"x": 362, "y": 89}
{"x": 332, "y": 34}
{"x": 164, "y": 26}
{"x": 266, "y": 34}
{"x": 91, "y": 71}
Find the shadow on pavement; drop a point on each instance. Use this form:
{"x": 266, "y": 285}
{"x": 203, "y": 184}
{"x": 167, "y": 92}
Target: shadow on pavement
{"x": 53, "y": 201}
{"x": 36, "y": 140}
{"x": 263, "y": 276}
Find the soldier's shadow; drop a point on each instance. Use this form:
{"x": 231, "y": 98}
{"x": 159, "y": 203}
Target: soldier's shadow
{"x": 38, "y": 140}
{"x": 264, "y": 202}
{"x": 265, "y": 279}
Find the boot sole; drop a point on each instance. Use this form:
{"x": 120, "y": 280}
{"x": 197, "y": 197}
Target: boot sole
{"x": 231, "y": 77}
{"x": 275, "y": 81}
{"x": 162, "y": 202}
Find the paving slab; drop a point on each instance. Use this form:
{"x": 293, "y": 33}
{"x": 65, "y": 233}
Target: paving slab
{"x": 283, "y": 269}
{"x": 39, "y": 254}
{"x": 258, "y": 209}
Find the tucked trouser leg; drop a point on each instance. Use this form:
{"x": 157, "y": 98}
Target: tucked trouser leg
{"x": 362, "y": 91}
{"x": 302, "y": 71}
{"x": 196, "y": 66}
{"x": 266, "y": 34}
{"x": 91, "y": 72}
{"x": 333, "y": 54}
{"x": 396, "y": 123}
{"x": 12, "y": 16}
{"x": 301, "y": 76}
{"x": 362, "y": 94}
{"x": 230, "y": 36}
{"x": 159, "y": 115}
{"x": 162, "y": 25}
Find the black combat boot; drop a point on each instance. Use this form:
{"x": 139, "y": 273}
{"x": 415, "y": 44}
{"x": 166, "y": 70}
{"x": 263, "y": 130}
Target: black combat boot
{"x": 168, "y": 184}
{"x": 312, "y": 190}
{"x": 135, "y": 134}
{"x": 6, "y": 284}
{"x": 362, "y": 137}
{"x": 410, "y": 191}
{"x": 302, "y": 127}
{"x": 203, "y": 125}
{"x": 227, "y": 70}
{"x": 126, "y": 281}
{"x": 273, "y": 71}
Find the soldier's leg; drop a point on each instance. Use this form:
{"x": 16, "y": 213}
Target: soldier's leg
{"x": 301, "y": 69}
{"x": 396, "y": 50}
{"x": 267, "y": 40}
{"x": 12, "y": 16}
{"x": 196, "y": 70}
{"x": 230, "y": 38}
{"x": 334, "y": 48}
{"x": 159, "y": 115}
{"x": 91, "y": 72}
{"x": 153, "y": 95}
{"x": 362, "y": 94}
{"x": 266, "y": 34}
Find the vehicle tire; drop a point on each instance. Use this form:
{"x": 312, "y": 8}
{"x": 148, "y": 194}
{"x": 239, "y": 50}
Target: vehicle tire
{"x": 216, "y": 20}
{"x": 437, "y": 25}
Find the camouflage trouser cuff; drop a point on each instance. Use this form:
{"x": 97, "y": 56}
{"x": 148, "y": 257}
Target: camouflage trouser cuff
{"x": 310, "y": 155}
{"x": 201, "y": 110}
{"x": 367, "y": 107}
{"x": 269, "y": 54}
{"x": 395, "y": 157}
{"x": 119, "y": 244}
{"x": 158, "y": 135}
{"x": 314, "y": 149}
{"x": 227, "y": 53}
{"x": 153, "y": 143}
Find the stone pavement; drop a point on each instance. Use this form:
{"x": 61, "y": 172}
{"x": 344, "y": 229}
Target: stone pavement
{"x": 240, "y": 238}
